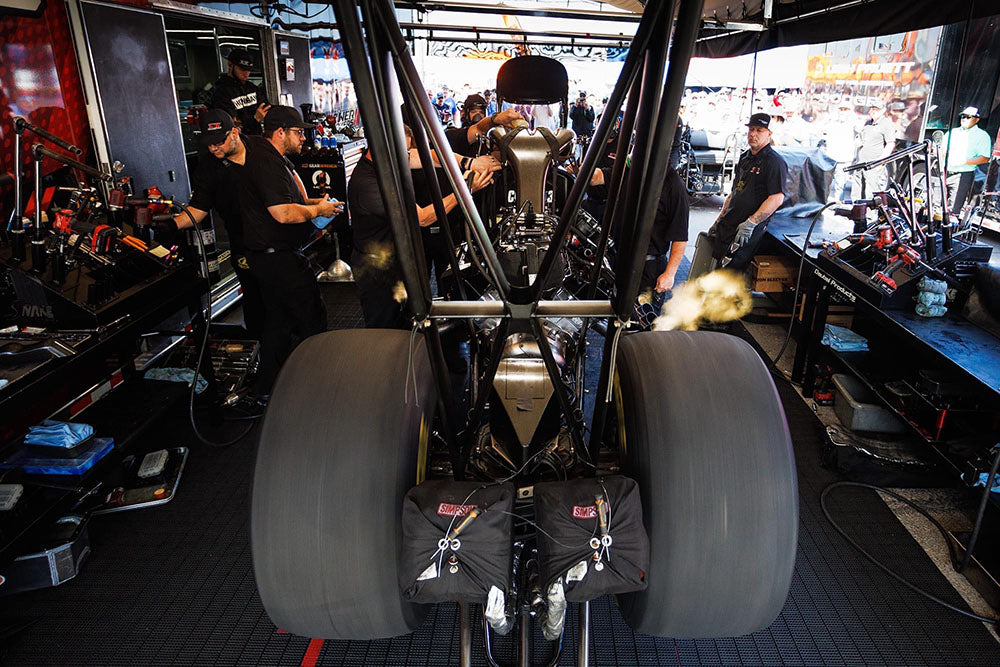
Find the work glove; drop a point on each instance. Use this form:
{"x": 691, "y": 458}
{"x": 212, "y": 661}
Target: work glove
{"x": 743, "y": 233}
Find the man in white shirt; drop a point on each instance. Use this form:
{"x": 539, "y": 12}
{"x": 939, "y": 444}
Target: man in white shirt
{"x": 968, "y": 147}
{"x": 840, "y": 146}
{"x": 542, "y": 115}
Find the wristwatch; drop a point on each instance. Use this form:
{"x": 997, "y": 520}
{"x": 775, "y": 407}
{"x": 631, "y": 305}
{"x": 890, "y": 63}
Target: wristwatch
{"x": 466, "y": 163}
{"x": 493, "y": 118}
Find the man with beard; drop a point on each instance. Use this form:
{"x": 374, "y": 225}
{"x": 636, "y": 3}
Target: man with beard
{"x": 277, "y": 216}
{"x": 233, "y": 92}
{"x": 214, "y": 185}
{"x": 758, "y": 191}
{"x": 476, "y": 124}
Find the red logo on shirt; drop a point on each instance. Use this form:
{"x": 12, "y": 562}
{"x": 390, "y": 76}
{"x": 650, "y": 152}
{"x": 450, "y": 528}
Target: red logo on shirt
{"x": 588, "y": 512}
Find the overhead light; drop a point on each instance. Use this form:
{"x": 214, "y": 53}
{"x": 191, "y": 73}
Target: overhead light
{"x": 190, "y": 31}
{"x": 741, "y": 25}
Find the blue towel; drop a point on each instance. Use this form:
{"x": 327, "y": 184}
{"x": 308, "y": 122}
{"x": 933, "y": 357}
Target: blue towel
{"x": 843, "y": 340}
{"x": 930, "y": 285}
{"x": 321, "y": 221}
{"x": 930, "y": 311}
{"x": 982, "y": 482}
{"x": 51, "y": 433}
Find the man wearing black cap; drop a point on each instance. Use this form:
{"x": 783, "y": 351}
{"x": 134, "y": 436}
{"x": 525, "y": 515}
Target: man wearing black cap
{"x": 214, "y": 185}
{"x": 758, "y": 191}
{"x": 277, "y": 216}
{"x": 476, "y": 124}
{"x": 233, "y": 92}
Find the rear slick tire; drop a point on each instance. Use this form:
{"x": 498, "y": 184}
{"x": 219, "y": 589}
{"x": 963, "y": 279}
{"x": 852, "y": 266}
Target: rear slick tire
{"x": 702, "y": 430}
{"x": 343, "y": 439}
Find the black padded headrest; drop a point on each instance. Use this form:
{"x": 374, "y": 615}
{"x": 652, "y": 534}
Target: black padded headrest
{"x": 532, "y": 80}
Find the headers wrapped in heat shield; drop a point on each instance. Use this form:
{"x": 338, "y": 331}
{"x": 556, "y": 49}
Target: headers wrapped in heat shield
{"x": 456, "y": 541}
{"x": 594, "y": 538}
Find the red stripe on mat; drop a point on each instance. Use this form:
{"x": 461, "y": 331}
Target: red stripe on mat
{"x": 312, "y": 653}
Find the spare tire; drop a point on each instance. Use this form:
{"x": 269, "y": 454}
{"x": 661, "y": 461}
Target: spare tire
{"x": 339, "y": 447}
{"x": 702, "y": 430}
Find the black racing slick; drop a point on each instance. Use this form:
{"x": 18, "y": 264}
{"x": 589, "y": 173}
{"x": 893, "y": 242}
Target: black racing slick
{"x": 240, "y": 100}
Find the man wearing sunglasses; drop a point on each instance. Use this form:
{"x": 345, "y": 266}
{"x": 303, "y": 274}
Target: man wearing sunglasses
{"x": 968, "y": 147}
{"x": 214, "y": 188}
{"x": 277, "y": 216}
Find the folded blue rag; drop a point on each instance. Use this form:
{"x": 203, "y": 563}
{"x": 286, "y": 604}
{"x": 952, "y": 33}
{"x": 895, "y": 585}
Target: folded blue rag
{"x": 843, "y": 340}
{"x": 51, "y": 433}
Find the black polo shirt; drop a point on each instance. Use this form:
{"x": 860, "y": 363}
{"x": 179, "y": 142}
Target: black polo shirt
{"x": 267, "y": 180}
{"x": 369, "y": 221}
{"x": 214, "y": 184}
{"x": 672, "y": 210}
{"x": 757, "y": 177}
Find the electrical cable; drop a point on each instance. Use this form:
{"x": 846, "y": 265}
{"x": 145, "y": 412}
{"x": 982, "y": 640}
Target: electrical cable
{"x": 798, "y": 284}
{"x": 546, "y": 534}
{"x": 884, "y": 568}
{"x": 204, "y": 345}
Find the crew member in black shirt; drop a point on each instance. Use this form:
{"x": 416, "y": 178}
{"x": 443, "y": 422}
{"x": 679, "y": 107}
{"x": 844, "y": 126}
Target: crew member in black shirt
{"x": 235, "y": 93}
{"x": 214, "y": 189}
{"x": 277, "y": 223}
{"x": 374, "y": 260}
{"x": 758, "y": 191}
{"x": 467, "y": 140}
{"x": 668, "y": 239}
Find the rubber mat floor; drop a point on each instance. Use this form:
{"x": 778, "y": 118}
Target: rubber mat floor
{"x": 173, "y": 585}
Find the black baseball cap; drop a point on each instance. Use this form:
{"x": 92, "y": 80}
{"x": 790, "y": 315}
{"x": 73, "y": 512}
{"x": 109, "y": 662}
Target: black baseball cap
{"x": 283, "y": 117}
{"x": 215, "y": 124}
{"x": 760, "y": 120}
{"x": 474, "y": 101}
{"x": 241, "y": 58}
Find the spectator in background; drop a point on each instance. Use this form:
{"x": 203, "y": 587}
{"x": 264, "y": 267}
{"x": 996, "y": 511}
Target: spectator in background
{"x": 582, "y": 116}
{"x": 449, "y": 101}
{"x": 914, "y": 117}
{"x": 542, "y": 116}
{"x": 440, "y": 108}
{"x": 876, "y": 139}
{"x": 840, "y": 147}
{"x": 968, "y": 147}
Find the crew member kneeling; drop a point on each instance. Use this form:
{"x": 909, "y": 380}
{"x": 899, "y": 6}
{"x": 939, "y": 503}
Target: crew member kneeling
{"x": 277, "y": 216}
{"x": 758, "y": 191}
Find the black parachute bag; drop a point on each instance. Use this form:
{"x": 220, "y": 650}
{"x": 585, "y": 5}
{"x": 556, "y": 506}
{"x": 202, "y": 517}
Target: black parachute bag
{"x": 456, "y": 541}
{"x": 594, "y": 557}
